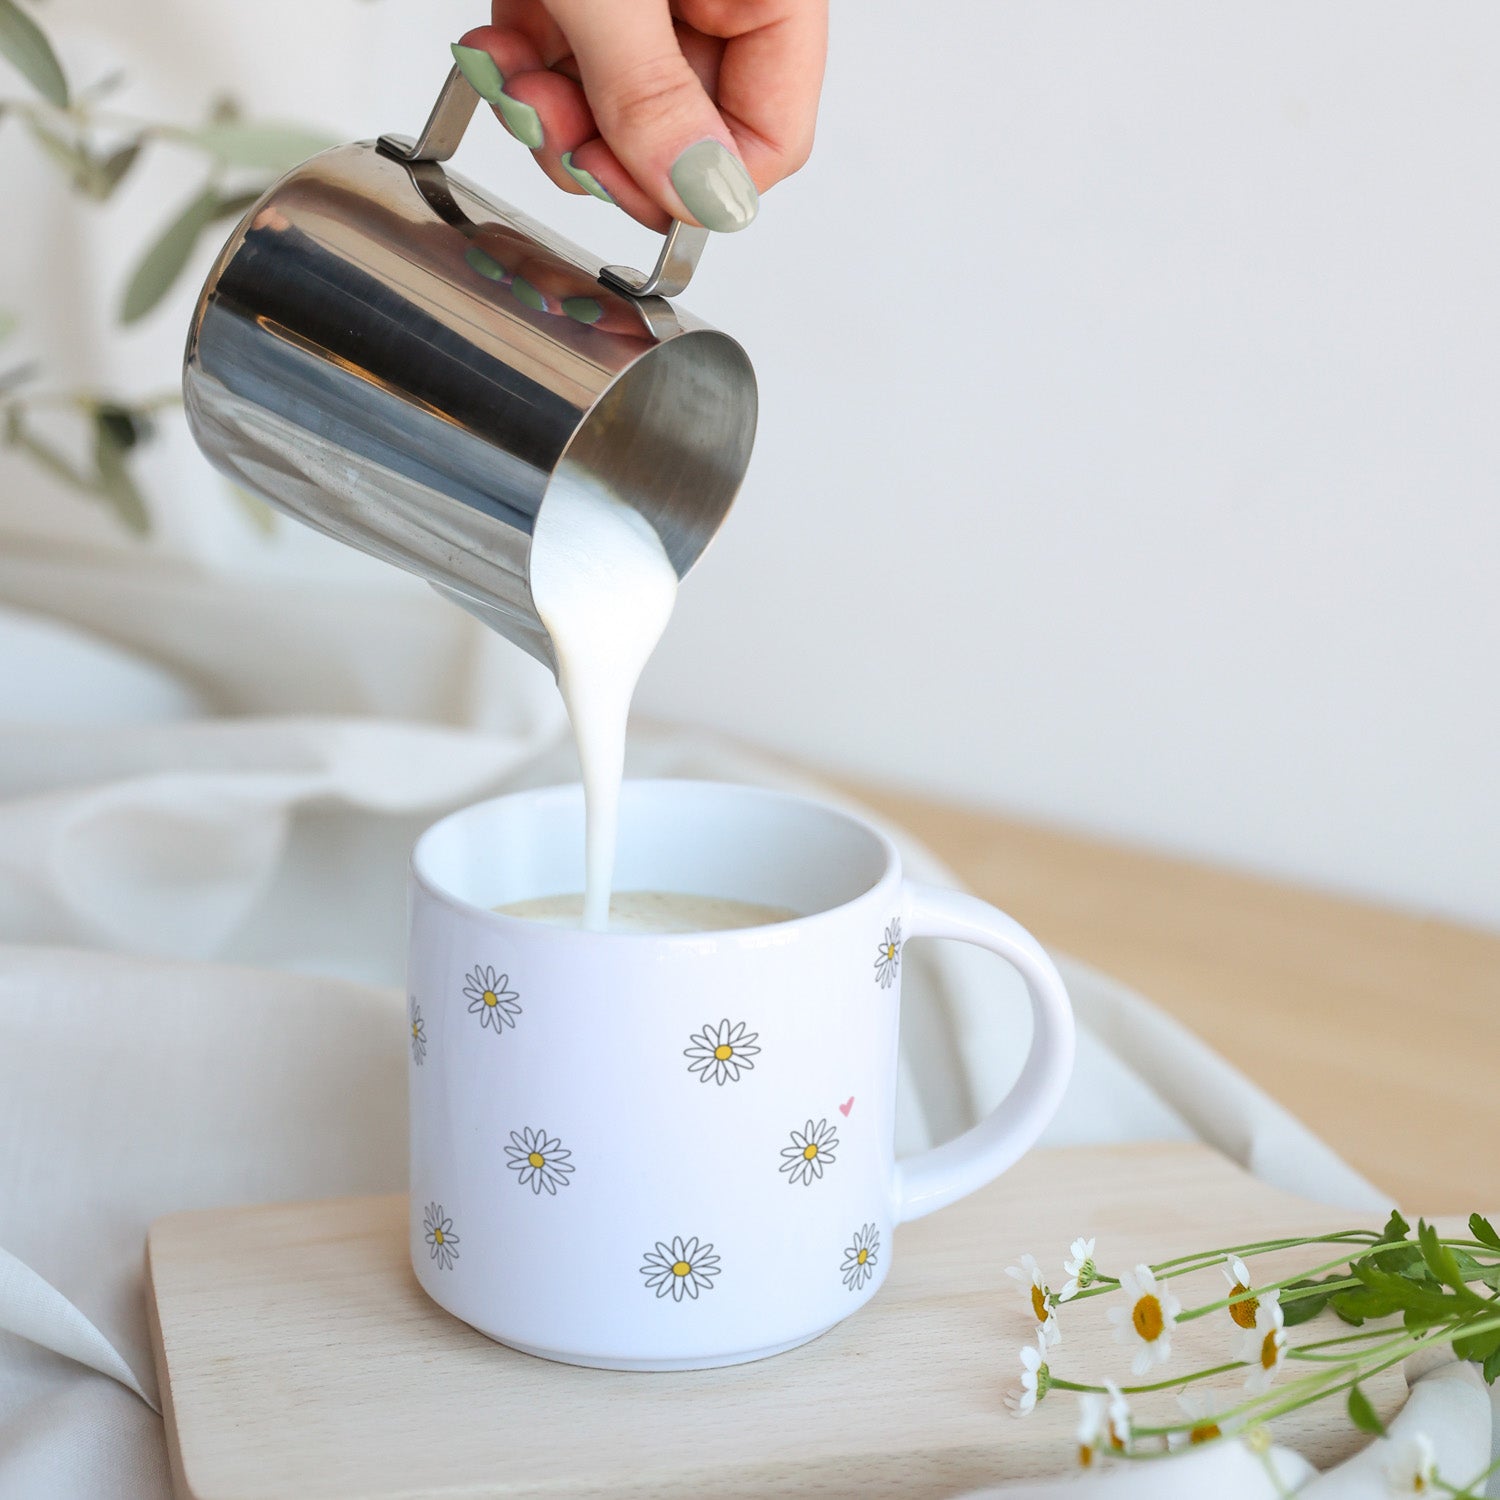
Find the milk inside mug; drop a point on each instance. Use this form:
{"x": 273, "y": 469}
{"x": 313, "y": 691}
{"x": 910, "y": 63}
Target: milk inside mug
{"x": 652, "y": 1150}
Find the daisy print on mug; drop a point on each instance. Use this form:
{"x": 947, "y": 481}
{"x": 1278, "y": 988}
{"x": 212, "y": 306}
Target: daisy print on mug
{"x": 418, "y": 1034}
{"x": 442, "y": 1243}
{"x": 682, "y": 1269}
{"x": 539, "y": 1162}
{"x": 888, "y": 955}
{"x": 861, "y": 1258}
{"x": 722, "y": 1052}
{"x": 491, "y": 998}
{"x": 811, "y": 1150}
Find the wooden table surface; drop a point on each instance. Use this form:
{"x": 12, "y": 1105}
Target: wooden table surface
{"x": 1379, "y": 1029}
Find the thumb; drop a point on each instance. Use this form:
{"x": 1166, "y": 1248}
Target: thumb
{"x": 653, "y": 113}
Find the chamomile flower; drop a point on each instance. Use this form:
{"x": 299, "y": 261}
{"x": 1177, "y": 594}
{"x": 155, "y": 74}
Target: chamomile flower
{"x": 1093, "y": 1426}
{"x": 1082, "y": 1272}
{"x": 1412, "y": 1469}
{"x": 1238, "y": 1277}
{"x": 1036, "y": 1379}
{"x": 1043, "y": 1305}
{"x": 1206, "y": 1416}
{"x": 1102, "y": 1423}
{"x": 1263, "y": 1347}
{"x": 1148, "y": 1319}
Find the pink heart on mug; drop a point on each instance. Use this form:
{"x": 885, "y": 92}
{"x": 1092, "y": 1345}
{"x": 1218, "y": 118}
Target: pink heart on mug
{"x": 845, "y": 1108}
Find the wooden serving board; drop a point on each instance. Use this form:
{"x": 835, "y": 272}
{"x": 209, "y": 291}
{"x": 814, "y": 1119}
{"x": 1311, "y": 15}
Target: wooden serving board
{"x": 298, "y": 1356}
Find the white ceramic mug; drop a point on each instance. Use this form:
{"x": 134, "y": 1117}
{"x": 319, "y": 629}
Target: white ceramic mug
{"x": 664, "y": 1152}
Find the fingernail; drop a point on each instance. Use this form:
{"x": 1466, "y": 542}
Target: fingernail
{"x": 582, "y": 309}
{"x": 485, "y": 264}
{"x": 479, "y": 68}
{"x": 715, "y": 187}
{"x": 585, "y": 179}
{"x": 521, "y": 120}
{"x": 523, "y": 291}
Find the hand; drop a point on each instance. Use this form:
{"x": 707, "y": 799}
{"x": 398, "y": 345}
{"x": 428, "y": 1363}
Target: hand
{"x": 683, "y": 110}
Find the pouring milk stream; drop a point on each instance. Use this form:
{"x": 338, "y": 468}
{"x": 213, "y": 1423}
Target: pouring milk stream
{"x": 604, "y": 588}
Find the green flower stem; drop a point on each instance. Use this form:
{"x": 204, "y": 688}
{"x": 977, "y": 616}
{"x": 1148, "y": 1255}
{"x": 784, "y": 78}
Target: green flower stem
{"x": 1141, "y": 1390}
{"x": 1266, "y": 1247}
{"x": 1193, "y": 1313}
{"x": 1317, "y": 1386}
{"x": 1470, "y": 1491}
{"x": 1343, "y": 1338}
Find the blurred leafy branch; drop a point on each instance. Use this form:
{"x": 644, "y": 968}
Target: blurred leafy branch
{"x": 96, "y": 150}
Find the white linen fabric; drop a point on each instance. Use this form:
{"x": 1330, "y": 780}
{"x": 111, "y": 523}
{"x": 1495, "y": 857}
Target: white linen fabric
{"x": 203, "y": 839}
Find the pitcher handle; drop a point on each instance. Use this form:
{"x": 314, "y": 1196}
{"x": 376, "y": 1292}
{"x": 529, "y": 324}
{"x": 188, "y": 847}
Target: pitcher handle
{"x": 440, "y": 138}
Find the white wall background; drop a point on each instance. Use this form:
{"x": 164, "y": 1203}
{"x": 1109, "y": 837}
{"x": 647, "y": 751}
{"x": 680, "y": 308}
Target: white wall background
{"x": 1131, "y": 404}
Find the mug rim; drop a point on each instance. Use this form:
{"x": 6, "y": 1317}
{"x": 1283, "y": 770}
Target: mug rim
{"x": 424, "y": 880}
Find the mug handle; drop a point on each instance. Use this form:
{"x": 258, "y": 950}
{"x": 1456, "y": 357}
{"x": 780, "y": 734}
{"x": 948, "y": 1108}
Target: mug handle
{"x": 935, "y": 1178}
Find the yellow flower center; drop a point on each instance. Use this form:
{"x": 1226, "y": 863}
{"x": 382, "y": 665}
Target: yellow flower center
{"x": 890, "y": 950}
{"x": 537, "y": 1159}
{"x": 491, "y": 998}
{"x": 1115, "y": 1440}
{"x": 1146, "y": 1315}
{"x": 1085, "y": 1456}
{"x": 1039, "y": 1303}
{"x": 680, "y": 1268}
{"x": 1268, "y": 1351}
{"x": 416, "y": 1028}
{"x": 863, "y": 1256}
{"x": 437, "y": 1236}
{"x": 723, "y": 1051}
{"x": 1243, "y": 1313}
{"x": 809, "y": 1151}
{"x": 1204, "y": 1433}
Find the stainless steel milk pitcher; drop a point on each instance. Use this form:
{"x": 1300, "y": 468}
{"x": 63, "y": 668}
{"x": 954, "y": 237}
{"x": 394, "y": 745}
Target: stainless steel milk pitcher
{"x": 391, "y": 356}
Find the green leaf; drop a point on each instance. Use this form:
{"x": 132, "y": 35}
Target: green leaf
{"x": 1492, "y": 1368}
{"x": 1483, "y": 1231}
{"x": 1473, "y": 1270}
{"x": 1396, "y": 1228}
{"x": 109, "y": 171}
{"x": 1420, "y": 1304}
{"x": 1402, "y": 1258}
{"x": 26, "y": 45}
{"x": 163, "y": 263}
{"x": 1444, "y": 1267}
{"x": 43, "y": 455}
{"x": 115, "y": 435}
{"x": 1306, "y": 1304}
{"x": 1477, "y": 1346}
{"x": 1362, "y": 1414}
{"x": 1358, "y": 1303}
{"x": 68, "y": 155}
{"x": 271, "y": 148}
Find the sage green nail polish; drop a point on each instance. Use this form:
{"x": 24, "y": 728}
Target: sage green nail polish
{"x": 523, "y": 291}
{"x": 715, "y": 187}
{"x": 585, "y": 179}
{"x": 582, "y": 309}
{"x": 485, "y": 264}
{"x": 479, "y": 68}
{"x": 521, "y": 120}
